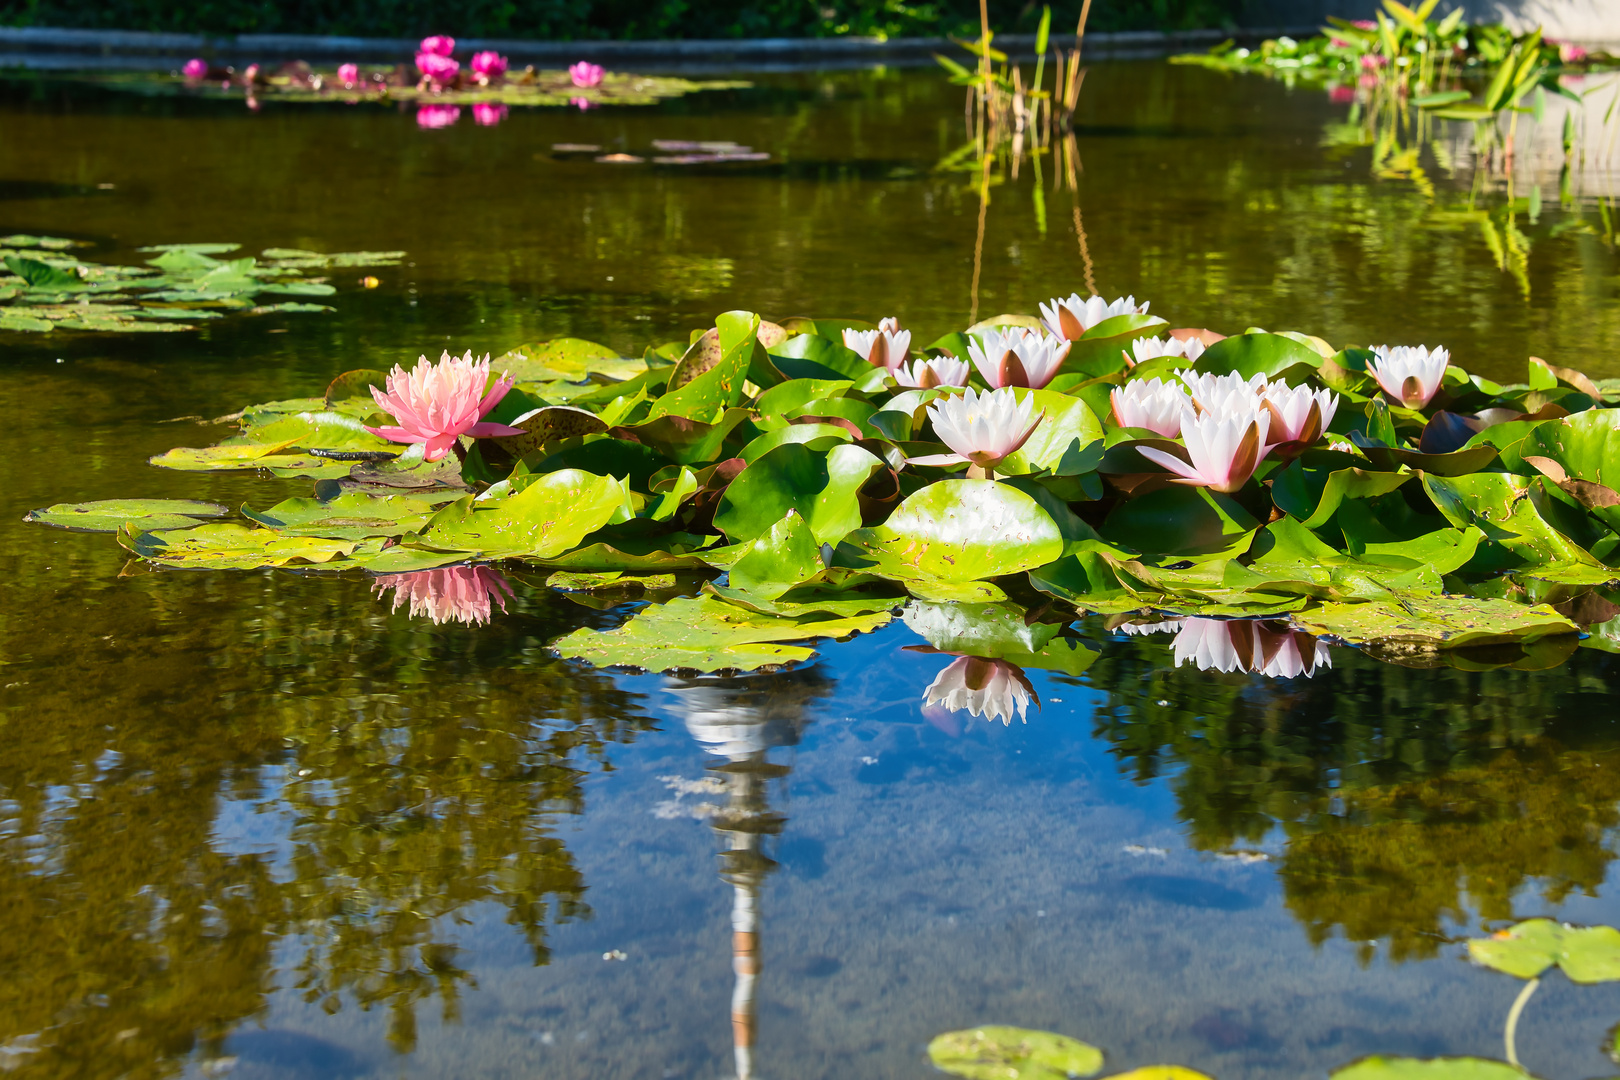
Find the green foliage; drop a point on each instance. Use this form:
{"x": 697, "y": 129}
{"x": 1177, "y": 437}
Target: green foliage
{"x": 994, "y": 1053}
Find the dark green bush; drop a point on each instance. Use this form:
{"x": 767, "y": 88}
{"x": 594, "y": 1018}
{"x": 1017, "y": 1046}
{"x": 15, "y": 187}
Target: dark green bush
{"x": 598, "y": 19}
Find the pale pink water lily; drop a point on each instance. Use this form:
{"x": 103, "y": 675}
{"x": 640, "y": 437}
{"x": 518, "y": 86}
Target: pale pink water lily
{"x": 1017, "y": 356}
{"x": 196, "y": 69}
{"x": 348, "y": 74}
{"x": 1155, "y": 404}
{"x": 464, "y": 594}
{"x": 1164, "y": 626}
{"x": 488, "y": 65}
{"x": 885, "y": 347}
{"x": 1224, "y": 450}
{"x": 1410, "y": 374}
{"x": 1152, "y": 348}
{"x": 436, "y": 404}
{"x": 1568, "y": 51}
{"x": 1070, "y": 318}
{"x": 981, "y": 429}
{"x": 993, "y": 689}
{"x": 940, "y": 371}
{"x": 586, "y": 74}
{"x": 437, "y": 69}
{"x": 1299, "y": 415}
{"x": 1249, "y": 646}
{"x": 437, "y": 45}
{"x": 437, "y": 116}
{"x": 1223, "y": 394}
{"x": 488, "y": 113}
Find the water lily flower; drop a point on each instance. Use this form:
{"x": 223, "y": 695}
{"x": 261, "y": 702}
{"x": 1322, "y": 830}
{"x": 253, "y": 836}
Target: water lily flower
{"x": 1374, "y": 62}
{"x": 1410, "y": 374}
{"x": 586, "y": 74}
{"x": 1164, "y": 626}
{"x": 1341, "y": 94}
{"x": 1072, "y": 317}
{"x": 437, "y": 69}
{"x": 437, "y": 116}
{"x": 1227, "y": 394}
{"x": 453, "y": 594}
{"x": 582, "y": 104}
{"x": 1249, "y": 646}
{"x": 488, "y": 113}
{"x": 1224, "y": 450}
{"x": 940, "y": 371}
{"x": 1017, "y": 357}
{"x": 436, "y": 404}
{"x": 488, "y": 65}
{"x": 1152, "y": 348}
{"x": 993, "y": 689}
{"x": 981, "y": 429}
{"x": 1155, "y": 404}
{"x": 348, "y": 74}
{"x": 195, "y": 70}
{"x": 1299, "y": 414}
{"x": 1568, "y": 51}
{"x": 884, "y": 347}
{"x": 437, "y": 45}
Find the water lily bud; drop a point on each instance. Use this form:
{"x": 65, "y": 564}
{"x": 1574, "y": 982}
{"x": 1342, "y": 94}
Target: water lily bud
{"x": 195, "y": 70}
{"x": 585, "y": 74}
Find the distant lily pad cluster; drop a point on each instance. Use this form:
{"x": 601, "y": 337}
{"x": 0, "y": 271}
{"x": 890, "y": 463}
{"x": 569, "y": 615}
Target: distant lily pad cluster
{"x": 776, "y": 482}
{"x": 45, "y": 287}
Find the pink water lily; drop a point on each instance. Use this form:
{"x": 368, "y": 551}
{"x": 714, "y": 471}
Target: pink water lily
{"x": 1155, "y": 404}
{"x": 436, "y": 404}
{"x": 993, "y": 689}
{"x": 1152, "y": 348}
{"x": 1410, "y": 374}
{"x": 488, "y": 65}
{"x": 436, "y": 69}
{"x": 885, "y": 347}
{"x": 437, "y": 45}
{"x": 465, "y": 594}
{"x": 348, "y": 74}
{"x": 981, "y": 429}
{"x": 940, "y": 371}
{"x": 488, "y": 113}
{"x": 1299, "y": 415}
{"x": 1017, "y": 357}
{"x": 1224, "y": 450}
{"x": 1070, "y": 318}
{"x": 196, "y": 70}
{"x": 432, "y": 117}
{"x": 586, "y": 74}
{"x": 1249, "y": 646}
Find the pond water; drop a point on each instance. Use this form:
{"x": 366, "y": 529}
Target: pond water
{"x": 268, "y": 824}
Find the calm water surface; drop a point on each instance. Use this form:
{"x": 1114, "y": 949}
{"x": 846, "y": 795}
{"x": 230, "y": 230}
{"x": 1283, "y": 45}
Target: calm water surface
{"x": 262, "y": 824}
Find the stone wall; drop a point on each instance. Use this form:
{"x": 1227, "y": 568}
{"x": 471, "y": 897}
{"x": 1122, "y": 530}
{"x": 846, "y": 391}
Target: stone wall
{"x": 1586, "y": 21}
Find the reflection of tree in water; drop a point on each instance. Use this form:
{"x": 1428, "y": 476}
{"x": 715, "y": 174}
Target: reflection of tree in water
{"x": 741, "y": 720}
{"x": 1400, "y": 791}
{"x": 423, "y": 768}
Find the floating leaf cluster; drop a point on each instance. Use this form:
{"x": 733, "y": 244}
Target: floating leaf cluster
{"x": 46, "y": 288}
{"x": 808, "y": 478}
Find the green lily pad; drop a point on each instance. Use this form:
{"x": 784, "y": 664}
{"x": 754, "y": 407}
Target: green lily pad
{"x": 820, "y": 487}
{"x": 1009, "y": 1053}
{"x": 352, "y": 515}
{"x": 1503, "y": 507}
{"x": 1068, "y": 424}
{"x": 960, "y": 531}
{"x": 1179, "y": 520}
{"x": 1312, "y": 493}
{"x": 1379, "y": 1067}
{"x": 771, "y": 564}
{"x": 552, "y": 514}
{"x": 721, "y": 386}
{"x": 109, "y": 515}
{"x": 708, "y": 634}
{"x": 1587, "y": 954}
{"x": 230, "y": 547}
{"x": 1255, "y": 354}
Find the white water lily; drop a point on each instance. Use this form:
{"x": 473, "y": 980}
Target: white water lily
{"x": 1151, "y": 348}
{"x": 884, "y": 347}
{"x": 1410, "y": 374}
{"x": 1249, "y": 646}
{"x": 1223, "y": 395}
{"x": 981, "y": 429}
{"x": 1224, "y": 450}
{"x": 1017, "y": 356}
{"x": 1070, "y": 318}
{"x": 993, "y": 689}
{"x": 1155, "y": 404}
{"x": 940, "y": 371}
{"x": 1298, "y": 414}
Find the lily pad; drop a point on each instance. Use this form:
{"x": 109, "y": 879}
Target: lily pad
{"x": 1010, "y": 1053}
{"x": 545, "y": 519}
{"x": 961, "y": 531}
{"x": 1379, "y": 1067}
{"x": 230, "y": 547}
{"x": 1587, "y": 954}
{"x": 820, "y": 487}
{"x": 110, "y": 515}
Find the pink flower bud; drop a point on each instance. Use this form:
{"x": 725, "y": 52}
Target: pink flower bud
{"x": 438, "y": 45}
{"x": 348, "y": 74}
{"x": 439, "y": 69}
{"x": 195, "y": 70}
{"x": 586, "y": 74}
{"x": 491, "y": 65}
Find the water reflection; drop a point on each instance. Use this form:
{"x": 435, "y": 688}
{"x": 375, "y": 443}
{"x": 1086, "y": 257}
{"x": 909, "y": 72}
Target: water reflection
{"x": 464, "y": 594}
{"x": 1247, "y": 645}
{"x": 993, "y": 689}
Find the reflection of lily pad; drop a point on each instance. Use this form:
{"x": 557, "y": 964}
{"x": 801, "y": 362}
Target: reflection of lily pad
{"x": 1439, "y": 621}
{"x": 1009, "y": 1053}
{"x": 1587, "y": 954}
{"x": 1379, "y": 1067}
{"x": 707, "y": 634}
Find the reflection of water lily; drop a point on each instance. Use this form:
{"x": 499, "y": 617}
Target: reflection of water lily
{"x": 1410, "y": 374}
{"x": 437, "y": 45}
{"x": 489, "y": 113}
{"x": 885, "y": 347}
{"x": 196, "y": 69}
{"x": 586, "y": 74}
{"x": 1249, "y": 646}
{"x": 453, "y": 594}
{"x": 1165, "y": 626}
{"x": 940, "y": 371}
{"x": 1017, "y": 357}
{"x": 1151, "y": 348}
{"x": 348, "y": 74}
{"x": 432, "y": 117}
{"x": 1155, "y": 404}
{"x": 436, "y": 404}
{"x": 1224, "y": 450}
{"x": 1299, "y": 414}
{"x": 993, "y": 689}
{"x": 981, "y": 429}
{"x": 1072, "y": 317}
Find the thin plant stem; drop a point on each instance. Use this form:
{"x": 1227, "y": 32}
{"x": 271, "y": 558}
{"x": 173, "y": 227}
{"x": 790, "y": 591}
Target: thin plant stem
{"x": 1511, "y": 1028}
{"x": 978, "y": 243}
